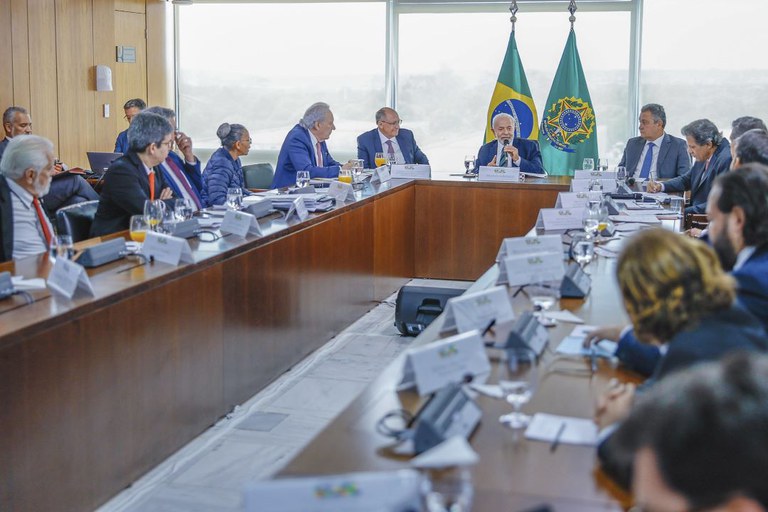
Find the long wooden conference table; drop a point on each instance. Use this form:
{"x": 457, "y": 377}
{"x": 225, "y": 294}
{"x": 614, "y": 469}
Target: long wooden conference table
{"x": 95, "y": 391}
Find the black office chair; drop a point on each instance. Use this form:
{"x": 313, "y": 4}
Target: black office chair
{"x": 258, "y": 175}
{"x": 76, "y": 220}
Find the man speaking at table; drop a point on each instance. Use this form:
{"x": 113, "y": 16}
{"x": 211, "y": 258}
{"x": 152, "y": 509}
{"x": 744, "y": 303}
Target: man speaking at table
{"x": 508, "y": 151}
{"x": 304, "y": 148}
{"x": 390, "y": 139}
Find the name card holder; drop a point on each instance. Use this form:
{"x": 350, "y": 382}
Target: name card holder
{"x": 522, "y": 269}
{"x": 241, "y": 224}
{"x": 581, "y": 174}
{"x": 66, "y": 277}
{"x": 341, "y": 192}
{"x": 579, "y": 185}
{"x": 576, "y": 283}
{"x": 505, "y": 174}
{"x": 560, "y": 219}
{"x": 381, "y": 175}
{"x": 411, "y": 171}
{"x": 167, "y": 249}
{"x": 576, "y": 199}
{"x": 527, "y": 333}
{"x": 446, "y": 361}
{"x": 298, "y": 208}
{"x": 529, "y": 245}
{"x": 476, "y": 310}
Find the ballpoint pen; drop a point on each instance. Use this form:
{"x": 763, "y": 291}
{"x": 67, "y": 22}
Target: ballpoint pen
{"x": 593, "y": 357}
{"x": 556, "y": 440}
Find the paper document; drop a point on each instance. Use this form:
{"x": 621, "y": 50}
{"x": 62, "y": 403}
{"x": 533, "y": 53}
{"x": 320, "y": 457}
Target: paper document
{"x": 573, "y": 344}
{"x": 545, "y": 427}
{"x": 565, "y": 316}
{"x": 21, "y": 284}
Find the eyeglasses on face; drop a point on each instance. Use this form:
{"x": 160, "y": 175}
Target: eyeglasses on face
{"x": 393, "y": 123}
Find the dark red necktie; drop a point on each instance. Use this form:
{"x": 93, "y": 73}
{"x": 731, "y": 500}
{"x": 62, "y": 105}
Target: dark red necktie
{"x": 41, "y": 218}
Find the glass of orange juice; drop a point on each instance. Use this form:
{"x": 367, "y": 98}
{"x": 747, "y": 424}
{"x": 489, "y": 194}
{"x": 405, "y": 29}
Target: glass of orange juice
{"x": 138, "y": 228}
{"x": 345, "y": 176}
{"x": 380, "y": 159}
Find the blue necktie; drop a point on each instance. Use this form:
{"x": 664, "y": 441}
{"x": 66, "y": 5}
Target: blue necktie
{"x": 646, "y": 169}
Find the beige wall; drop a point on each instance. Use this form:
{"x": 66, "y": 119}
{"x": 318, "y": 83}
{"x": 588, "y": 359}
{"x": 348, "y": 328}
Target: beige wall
{"x": 48, "y": 53}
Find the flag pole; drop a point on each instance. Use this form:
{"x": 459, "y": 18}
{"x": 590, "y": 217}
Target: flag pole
{"x": 572, "y": 9}
{"x": 513, "y": 8}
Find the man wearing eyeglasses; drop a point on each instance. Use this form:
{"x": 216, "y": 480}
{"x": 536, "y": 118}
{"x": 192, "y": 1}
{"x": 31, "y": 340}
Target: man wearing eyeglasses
{"x": 390, "y": 139}
{"x": 131, "y": 109}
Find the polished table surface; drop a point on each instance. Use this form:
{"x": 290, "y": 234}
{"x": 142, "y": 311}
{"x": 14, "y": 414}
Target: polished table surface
{"x": 98, "y": 390}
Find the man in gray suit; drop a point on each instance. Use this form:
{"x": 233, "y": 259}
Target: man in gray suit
{"x": 654, "y": 150}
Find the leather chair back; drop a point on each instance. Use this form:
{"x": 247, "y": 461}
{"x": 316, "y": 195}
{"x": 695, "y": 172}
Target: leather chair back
{"x": 76, "y": 220}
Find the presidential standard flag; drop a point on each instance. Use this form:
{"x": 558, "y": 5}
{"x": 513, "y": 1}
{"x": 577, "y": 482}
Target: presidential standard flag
{"x": 568, "y": 134}
{"x": 513, "y": 96}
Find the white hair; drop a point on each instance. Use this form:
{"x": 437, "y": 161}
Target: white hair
{"x": 502, "y": 115}
{"x": 315, "y": 114}
{"x": 26, "y": 152}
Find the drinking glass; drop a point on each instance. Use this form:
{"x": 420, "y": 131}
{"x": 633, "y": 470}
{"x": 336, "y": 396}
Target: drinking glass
{"x": 544, "y": 295}
{"x": 621, "y": 176}
{"x": 582, "y": 248}
{"x": 61, "y": 246}
{"x": 518, "y": 377}
{"x": 676, "y": 203}
{"x": 345, "y": 176}
{"x": 469, "y": 163}
{"x": 234, "y": 198}
{"x": 602, "y": 164}
{"x": 138, "y": 228}
{"x": 392, "y": 161}
{"x": 357, "y": 170}
{"x": 154, "y": 211}
{"x": 591, "y": 218}
{"x": 450, "y": 489}
{"x": 302, "y": 178}
{"x": 380, "y": 159}
{"x": 596, "y": 185}
{"x": 183, "y": 208}
{"x": 588, "y": 164}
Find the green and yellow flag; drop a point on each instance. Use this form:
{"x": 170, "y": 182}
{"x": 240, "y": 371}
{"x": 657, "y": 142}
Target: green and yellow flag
{"x": 513, "y": 96}
{"x": 568, "y": 133}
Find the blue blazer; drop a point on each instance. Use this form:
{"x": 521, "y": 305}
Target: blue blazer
{"x": 700, "y": 183}
{"x": 530, "y": 155}
{"x": 752, "y": 284}
{"x": 6, "y": 222}
{"x": 191, "y": 171}
{"x": 369, "y": 143}
{"x": 298, "y": 154}
{"x": 673, "y": 159}
{"x": 121, "y": 143}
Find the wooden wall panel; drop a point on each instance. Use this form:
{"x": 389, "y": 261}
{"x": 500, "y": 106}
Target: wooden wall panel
{"x": 43, "y": 71}
{"x": 130, "y": 6}
{"x": 6, "y": 57}
{"x": 160, "y": 75}
{"x": 21, "y": 57}
{"x": 130, "y": 80}
{"x": 74, "y": 53}
{"x": 103, "y": 38}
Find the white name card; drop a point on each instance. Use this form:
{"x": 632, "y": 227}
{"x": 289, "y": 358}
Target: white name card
{"x": 341, "y": 192}
{"x": 529, "y": 244}
{"x": 298, "y": 208}
{"x": 579, "y": 185}
{"x": 552, "y": 219}
{"x": 486, "y": 173}
{"x": 381, "y": 174}
{"x": 240, "y": 224}
{"x": 477, "y": 310}
{"x": 67, "y": 276}
{"x": 446, "y": 361}
{"x": 577, "y": 199}
{"x": 581, "y": 174}
{"x": 530, "y": 268}
{"x": 167, "y": 249}
{"x": 413, "y": 171}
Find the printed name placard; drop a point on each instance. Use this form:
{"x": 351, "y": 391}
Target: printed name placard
{"x": 529, "y": 244}
{"x": 486, "y": 173}
{"x": 477, "y": 310}
{"x": 581, "y": 174}
{"x": 579, "y": 185}
{"x": 298, "y": 208}
{"x": 66, "y": 277}
{"x": 167, "y": 249}
{"x": 341, "y": 192}
{"x": 577, "y": 199}
{"x": 442, "y": 362}
{"x": 529, "y": 268}
{"x": 413, "y": 171}
{"x": 381, "y": 174}
{"x": 552, "y": 219}
{"x": 240, "y": 223}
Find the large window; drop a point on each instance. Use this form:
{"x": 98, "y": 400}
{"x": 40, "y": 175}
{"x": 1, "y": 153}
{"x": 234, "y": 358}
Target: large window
{"x": 262, "y": 65}
{"x": 446, "y": 82}
{"x": 705, "y": 59}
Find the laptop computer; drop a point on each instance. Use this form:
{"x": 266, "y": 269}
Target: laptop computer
{"x": 99, "y": 162}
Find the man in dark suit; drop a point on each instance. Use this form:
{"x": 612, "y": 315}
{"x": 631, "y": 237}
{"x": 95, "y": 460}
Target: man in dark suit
{"x": 132, "y": 178}
{"x": 655, "y": 152}
{"x": 25, "y": 176}
{"x": 508, "y": 150}
{"x": 304, "y": 148}
{"x": 712, "y": 155}
{"x": 390, "y": 139}
{"x": 131, "y": 108}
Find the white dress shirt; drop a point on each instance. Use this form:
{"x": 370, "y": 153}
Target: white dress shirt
{"x": 318, "y": 156}
{"x": 510, "y": 162}
{"x": 399, "y": 158}
{"x": 654, "y": 161}
{"x": 28, "y": 237}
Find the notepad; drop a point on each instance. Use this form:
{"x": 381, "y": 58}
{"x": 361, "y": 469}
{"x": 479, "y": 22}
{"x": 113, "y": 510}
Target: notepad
{"x": 545, "y": 427}
{"x": 573, "y": 344}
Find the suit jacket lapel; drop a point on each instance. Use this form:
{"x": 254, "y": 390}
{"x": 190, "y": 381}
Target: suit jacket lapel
{"x": 663, "y": 150}
{"x": 377, "y": 142}
{"x": 405, "y": 149}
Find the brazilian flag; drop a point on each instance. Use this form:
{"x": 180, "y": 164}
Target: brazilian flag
{"x": 568, "y": 134}
{"x": 513, "y": 96}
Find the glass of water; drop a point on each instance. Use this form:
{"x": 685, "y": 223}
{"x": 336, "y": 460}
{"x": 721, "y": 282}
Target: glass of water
{"x": 183, "y": 208}
{"x": 469, "y": 163}
{"x": 621, "y": 176}
{"x": 588, "y": 164}
{"x": 602, "y": 164}
{"x": 544, "y": 295}
{"x": 582, "y": 248}
{"x": 591, "y": 219}
{"x": 234, "y": 198}
{"x": 302, "y": 178}
{"x": 518, "y": 377}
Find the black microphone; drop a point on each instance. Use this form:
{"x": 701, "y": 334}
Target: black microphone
{"x": 505, "y": 142}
